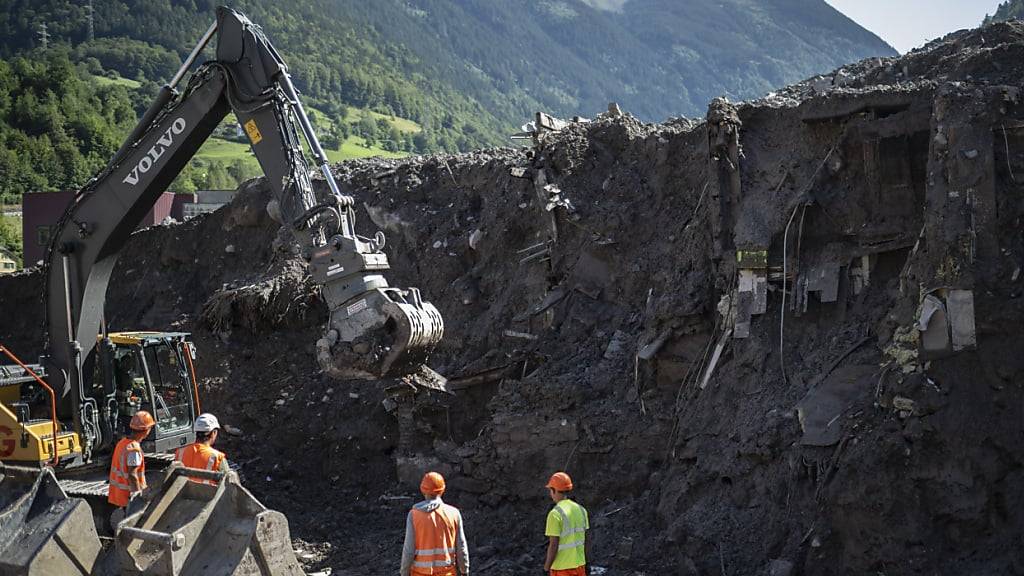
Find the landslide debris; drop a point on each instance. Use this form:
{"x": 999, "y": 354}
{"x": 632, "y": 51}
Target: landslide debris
{"x": 783, "y": 340}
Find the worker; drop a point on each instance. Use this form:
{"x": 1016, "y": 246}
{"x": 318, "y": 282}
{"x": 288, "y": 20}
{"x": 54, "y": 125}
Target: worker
{"x": 435, "y": 542}
{"x": 200, "y": 454}
{"x": 128, "y": 466}
{"x": 566, "y": 529}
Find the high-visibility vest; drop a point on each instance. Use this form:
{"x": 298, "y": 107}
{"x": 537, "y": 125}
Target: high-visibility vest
{"x": 572, "y": 536}
{"x": 436, "y": 533}
{"x": 199, "y": 455}
{"x": 120, "y": 490}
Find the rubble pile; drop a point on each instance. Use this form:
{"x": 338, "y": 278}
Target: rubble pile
{"x": 781, "y": 340}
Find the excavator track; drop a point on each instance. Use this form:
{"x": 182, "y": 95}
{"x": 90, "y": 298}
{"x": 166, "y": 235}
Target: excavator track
{"x": 90, "y": 481}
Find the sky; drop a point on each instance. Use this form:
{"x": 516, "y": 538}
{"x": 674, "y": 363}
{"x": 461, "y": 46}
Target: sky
{"x": 907, "y": 24}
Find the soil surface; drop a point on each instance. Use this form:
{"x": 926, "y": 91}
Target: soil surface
{"x": 719, "y": 327}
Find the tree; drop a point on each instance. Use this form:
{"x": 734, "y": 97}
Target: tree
{"x": 10, "y": 236}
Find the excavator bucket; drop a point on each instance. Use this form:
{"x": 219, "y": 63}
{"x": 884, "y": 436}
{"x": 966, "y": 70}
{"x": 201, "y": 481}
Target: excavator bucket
{"x": 384, "y": 332}
{"x": 211, "y": 528}
{"x": 42, "y": 530}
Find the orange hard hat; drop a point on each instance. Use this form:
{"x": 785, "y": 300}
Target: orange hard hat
{"x": 560, "y": 481}
{"x": 142, "y": 421}
{"x": 432, "y": 484}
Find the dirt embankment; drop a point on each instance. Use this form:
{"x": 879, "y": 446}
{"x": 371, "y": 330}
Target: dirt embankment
{"x": 783, "y": 340}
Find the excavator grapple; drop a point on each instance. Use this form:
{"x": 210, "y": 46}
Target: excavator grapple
{"x": 386, "y": 331}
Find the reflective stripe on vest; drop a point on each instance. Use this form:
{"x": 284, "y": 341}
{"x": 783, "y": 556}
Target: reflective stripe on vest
{"x": 435, "y": 533}
{"x": 119, "y": 480}
{"x": 572, "y": 536}
{"x": 568, "y": 530}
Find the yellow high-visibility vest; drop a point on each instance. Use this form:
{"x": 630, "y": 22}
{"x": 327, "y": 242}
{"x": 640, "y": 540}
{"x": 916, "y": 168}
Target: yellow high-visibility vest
{"x": 569, "y": 521}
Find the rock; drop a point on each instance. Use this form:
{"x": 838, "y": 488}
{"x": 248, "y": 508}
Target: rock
{"x": 624, "y": 548}
{"x": 687, "y": 567}
{"x": 280, "y": 401}
{"x": 779, "y": 567}
{"x": 230, "y": 248}
{"x": 232, "y": 430}
{"x": 474, "y": 238}
{"x": 903, "y": 404}
{"x": 485, "y": 551}
{"x": 617, "y": 346}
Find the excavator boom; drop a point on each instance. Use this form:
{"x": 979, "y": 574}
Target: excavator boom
{"x": 374, "y": 330}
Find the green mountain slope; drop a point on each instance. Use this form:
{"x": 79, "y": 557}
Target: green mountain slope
{"x": 469, "y": 71}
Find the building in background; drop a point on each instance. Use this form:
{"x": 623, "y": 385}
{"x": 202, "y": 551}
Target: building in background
{"x": 42, "y": 210}
{"x": 8, "y": 262}
{"x": 206, "y": 201}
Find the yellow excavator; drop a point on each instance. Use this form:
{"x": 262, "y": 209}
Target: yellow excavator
{"x": 62, "y": 416}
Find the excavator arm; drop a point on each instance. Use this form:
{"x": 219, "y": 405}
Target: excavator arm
{"x": 374, "y": 329}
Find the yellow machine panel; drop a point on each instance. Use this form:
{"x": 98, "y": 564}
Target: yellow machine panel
{"x": 31, "y": 442}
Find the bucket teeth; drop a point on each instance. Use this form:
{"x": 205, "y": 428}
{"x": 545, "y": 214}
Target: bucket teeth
{"x": 384, "y": 332}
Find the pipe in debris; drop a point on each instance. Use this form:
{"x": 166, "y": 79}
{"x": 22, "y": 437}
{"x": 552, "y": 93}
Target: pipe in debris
{"x": 192, "y": 372}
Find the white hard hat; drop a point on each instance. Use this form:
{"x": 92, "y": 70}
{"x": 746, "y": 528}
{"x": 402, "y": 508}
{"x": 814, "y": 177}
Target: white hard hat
{"x": 206, "y": 423}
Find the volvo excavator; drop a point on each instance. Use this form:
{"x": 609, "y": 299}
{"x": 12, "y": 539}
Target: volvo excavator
{"x": 62, "y": 416}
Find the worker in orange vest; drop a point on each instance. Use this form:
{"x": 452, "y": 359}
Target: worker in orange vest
{"x": 200, "y": 454}
{"x": 128, "y": 466}
{"x": 566, "y": 529}
{"x": 435, "y": 542}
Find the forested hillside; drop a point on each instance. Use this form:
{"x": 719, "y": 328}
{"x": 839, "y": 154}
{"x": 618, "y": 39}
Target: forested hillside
{"x": 56, "y": 127}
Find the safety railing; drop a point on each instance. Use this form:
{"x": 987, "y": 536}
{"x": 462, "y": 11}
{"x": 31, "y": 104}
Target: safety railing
{"x": 53, "y": 400}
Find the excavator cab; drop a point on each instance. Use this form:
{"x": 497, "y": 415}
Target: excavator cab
{"x": 149, "y": 371}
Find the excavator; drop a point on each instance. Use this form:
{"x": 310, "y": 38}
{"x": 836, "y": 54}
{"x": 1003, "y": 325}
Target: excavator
{"x": 60, "y": 418}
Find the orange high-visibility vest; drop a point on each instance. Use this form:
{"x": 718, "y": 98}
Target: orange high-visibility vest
{"x": 120, "y": 489}
{"x": 199, "y": 455}
{"x": 436, "y": 532}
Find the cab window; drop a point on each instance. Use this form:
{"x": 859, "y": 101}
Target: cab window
{"x": 171, "y": 399}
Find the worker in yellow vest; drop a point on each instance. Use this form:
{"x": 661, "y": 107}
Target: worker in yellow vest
{"x": 200, "y": 454}
{"x": 566, "y": 529}
{"x": 435, "y": 542}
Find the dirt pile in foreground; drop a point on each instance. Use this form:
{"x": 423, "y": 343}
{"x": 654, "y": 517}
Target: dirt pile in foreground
{"x": 782, "y": 340}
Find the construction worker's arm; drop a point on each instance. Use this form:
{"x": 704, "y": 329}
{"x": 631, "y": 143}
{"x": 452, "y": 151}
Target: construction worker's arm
{"x": 136, "y": 481}
{"x": 552, "y": 552}
{"x": 409, "y": 547}
{"x": 552, "y": 529}
{"x": 462, "y": 550}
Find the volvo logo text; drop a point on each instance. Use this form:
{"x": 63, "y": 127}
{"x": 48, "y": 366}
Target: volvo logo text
{"x": 155, "y": 152}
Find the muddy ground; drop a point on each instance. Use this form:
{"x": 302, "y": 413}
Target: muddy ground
{"x": 723, "y": 328}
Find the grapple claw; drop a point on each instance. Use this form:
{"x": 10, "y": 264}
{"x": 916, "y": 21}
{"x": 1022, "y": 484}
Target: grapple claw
{"x": 383, "y": 332}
